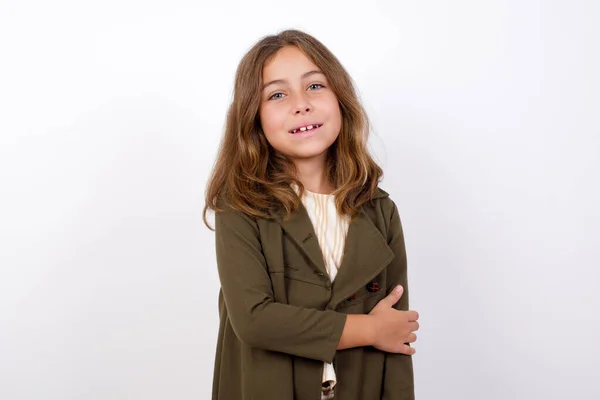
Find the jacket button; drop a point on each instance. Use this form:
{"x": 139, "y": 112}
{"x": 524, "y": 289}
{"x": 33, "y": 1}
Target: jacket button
{"x": 373, "y": 287}
{"x": 320, "y": 273}
{"x": 349, "y": 300}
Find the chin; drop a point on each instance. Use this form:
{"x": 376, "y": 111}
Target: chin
{"x": 304, "y": 150}
{"x": 307, "y": 155}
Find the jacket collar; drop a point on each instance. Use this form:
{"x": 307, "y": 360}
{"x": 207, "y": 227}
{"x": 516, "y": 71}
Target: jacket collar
{"x": 366, "y": 251}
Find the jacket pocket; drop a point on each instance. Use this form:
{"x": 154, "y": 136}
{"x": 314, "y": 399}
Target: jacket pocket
{"x": 302, "y": 275}
{"x": 305, "y": 288}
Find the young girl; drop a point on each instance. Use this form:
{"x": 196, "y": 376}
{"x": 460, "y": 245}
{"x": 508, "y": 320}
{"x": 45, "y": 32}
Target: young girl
{"x": 310, "y": 251}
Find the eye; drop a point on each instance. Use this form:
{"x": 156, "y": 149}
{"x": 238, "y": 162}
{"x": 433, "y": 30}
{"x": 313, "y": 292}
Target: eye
{"x": 275, "y": 94}
{"x": 316, "y": 84}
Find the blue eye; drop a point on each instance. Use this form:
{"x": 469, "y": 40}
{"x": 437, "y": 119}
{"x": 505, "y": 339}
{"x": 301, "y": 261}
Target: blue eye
{"x": 279, "y": 95}
{"x": 275, "y": 94}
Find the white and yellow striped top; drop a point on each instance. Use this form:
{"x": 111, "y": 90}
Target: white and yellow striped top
{"x": 331, "y": 230}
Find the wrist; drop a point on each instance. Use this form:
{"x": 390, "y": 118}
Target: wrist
{"x": 371, "y": 330}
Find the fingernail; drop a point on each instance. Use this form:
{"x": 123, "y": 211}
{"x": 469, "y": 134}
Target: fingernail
{"x": 398, "y": 288}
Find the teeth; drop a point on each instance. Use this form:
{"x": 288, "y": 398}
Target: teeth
{"x": 305, "y": 128}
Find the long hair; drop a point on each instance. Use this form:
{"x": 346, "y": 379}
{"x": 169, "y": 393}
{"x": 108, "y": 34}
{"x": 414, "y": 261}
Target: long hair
{"x": 250, "y": 176}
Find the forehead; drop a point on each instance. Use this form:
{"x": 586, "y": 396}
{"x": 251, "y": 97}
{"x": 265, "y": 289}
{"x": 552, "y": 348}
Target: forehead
{"x": 288, "y": 63}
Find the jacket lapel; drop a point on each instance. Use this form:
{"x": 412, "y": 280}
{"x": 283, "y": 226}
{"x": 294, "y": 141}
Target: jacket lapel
{"x": 366, "y": 254}
{"x": 299, "y": 227}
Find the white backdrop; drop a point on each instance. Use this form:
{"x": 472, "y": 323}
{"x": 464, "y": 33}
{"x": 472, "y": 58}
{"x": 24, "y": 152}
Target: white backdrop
{"x": 485, "y": 118}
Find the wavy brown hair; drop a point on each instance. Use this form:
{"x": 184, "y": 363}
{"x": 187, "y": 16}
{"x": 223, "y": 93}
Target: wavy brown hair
{"x": 250, "y": 176}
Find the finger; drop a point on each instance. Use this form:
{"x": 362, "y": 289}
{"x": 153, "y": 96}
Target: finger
{"x": 411, "y": 338}
{"x": 409, "y": 351}
{"x": 412, "y": 315}
{"x": 413, "y": 326}
{"x": 393, "y": 297}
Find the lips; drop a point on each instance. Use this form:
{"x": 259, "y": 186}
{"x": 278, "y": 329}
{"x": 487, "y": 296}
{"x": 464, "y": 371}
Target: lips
{"x": 304, "y": 128}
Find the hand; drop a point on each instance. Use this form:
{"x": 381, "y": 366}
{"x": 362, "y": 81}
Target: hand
{"x": 394, "y": 328}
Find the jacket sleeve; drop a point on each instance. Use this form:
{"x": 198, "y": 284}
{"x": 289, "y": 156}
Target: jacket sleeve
{"x": 398, "y": 381}
{"x": 255, "y": 317}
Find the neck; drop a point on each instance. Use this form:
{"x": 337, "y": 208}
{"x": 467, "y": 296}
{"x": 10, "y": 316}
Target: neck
{"x": 312, "y": 175}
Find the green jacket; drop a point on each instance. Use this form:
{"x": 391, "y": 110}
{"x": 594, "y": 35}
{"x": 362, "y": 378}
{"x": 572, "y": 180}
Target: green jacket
{"x": 281, "y": 317}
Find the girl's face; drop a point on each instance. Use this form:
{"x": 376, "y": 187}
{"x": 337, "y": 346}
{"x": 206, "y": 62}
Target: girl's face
{"x": 299, "y": 113}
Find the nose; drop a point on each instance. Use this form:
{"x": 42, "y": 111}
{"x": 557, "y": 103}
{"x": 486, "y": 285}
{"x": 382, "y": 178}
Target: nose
{"x": 302, "y": 105}
{"x": 302, "y": 110}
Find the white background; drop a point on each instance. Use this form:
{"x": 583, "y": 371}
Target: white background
{"x": 486, "y": 121}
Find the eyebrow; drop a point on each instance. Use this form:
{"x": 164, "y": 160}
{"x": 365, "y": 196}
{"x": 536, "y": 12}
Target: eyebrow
{"x": 305, "y": 75}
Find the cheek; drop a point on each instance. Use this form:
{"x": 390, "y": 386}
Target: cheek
{"x": 335, "y": 115}
{"x": 271, "y": 126}
{"x": 331, "y": 106}
{"x": 271, "y": 121}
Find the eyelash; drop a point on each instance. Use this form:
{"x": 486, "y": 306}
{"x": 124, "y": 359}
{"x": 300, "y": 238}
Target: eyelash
{"x": 312, "y": 84}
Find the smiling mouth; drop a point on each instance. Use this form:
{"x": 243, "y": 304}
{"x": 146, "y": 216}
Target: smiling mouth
{"x": 306, "y": 128}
